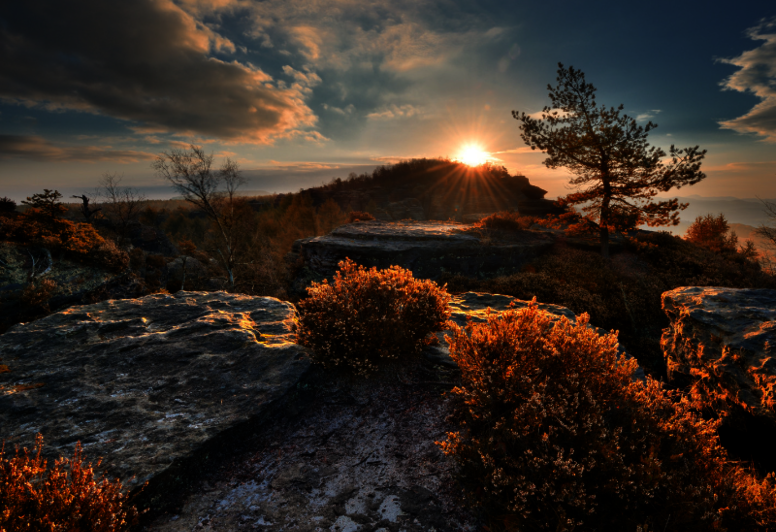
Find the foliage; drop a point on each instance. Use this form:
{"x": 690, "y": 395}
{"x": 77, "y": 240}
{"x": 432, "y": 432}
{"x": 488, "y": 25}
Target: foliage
{"x": 66, "y": 497}
{"x": 121, "y": 205}
{"x": 712, "y": 232}
{"x": 623, "y": 293}
{"x": 215, "y": 193}
{"x": 78, "y": 240}
{"x": 45, "y": 207}
{"x": 359, "y": 216}
{"x": 555, "y": 435}
{"x": 7, "y": 204}
{"x": 608, "y": 153}
{"x": 366, "y": 319}
{"x": 38, "y": 293}
{"x": 506, "y": 221}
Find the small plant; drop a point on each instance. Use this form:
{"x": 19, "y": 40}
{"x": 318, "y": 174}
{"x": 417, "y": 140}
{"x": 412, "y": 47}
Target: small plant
{"x": 67, "y": 497}
{"x": 39, "y": 292}
{"x": 555, "y": 435}
{"x": 359, "y": 216}
{"x": 367, "y": 318}
{"x": 507, "y": 221}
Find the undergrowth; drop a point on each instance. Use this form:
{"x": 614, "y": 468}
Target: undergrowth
{"x": 556, "y": 435}
{"x": 64, "y": 498}
{"x": 366, "y": 319}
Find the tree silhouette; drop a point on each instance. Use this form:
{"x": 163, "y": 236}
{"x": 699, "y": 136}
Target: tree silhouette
{"x": 215, "y": 193}
{"x": 618, "y": 174}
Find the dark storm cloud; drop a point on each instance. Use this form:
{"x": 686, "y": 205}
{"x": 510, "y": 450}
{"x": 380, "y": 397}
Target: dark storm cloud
{"x": 147, "y": 61}
{"x": 39, "y": 149}
{"x": 757, "y": 75}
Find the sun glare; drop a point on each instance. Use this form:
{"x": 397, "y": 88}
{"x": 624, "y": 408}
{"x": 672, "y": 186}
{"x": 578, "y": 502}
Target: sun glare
{"x": 473, "y": 155}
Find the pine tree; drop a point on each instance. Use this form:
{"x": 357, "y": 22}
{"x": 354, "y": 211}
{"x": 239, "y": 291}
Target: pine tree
{"x": 617, "y": 172}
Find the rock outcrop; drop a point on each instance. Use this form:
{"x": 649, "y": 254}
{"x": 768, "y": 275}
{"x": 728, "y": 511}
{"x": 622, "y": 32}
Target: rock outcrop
{"x": 724, "y": 340}
{"x": 148, "y": 384}
{"x": 429, "y": 249}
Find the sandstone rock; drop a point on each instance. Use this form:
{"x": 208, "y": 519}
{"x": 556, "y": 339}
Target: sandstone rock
{"x": 724, "y": 338}
{"x": 474, "y": 306}
{"x": 148, "y": 383}
{"x": 429, "y": 249}
{"x": 409, "y": 208}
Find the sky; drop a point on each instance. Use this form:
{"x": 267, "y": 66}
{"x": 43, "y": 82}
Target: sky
{"x": 301, "y": 91}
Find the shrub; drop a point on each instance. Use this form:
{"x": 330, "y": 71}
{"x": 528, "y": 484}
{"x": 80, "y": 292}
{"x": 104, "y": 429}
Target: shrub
{"x": 555, "y": 435}
{"x": 506, "y": 221}
{"x": 67, "y": 497}
{"x": 712, "y": 232}
{"x": 7, "y": 204}
{"x": 38, "y": 293}
{"x": 359, "y": 216}
{"x": 367, "y": 318}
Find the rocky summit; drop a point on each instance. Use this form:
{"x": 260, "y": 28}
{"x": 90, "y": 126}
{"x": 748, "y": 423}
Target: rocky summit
{"x": 147, "y": 383}
{"x": 724, "y": 340}
{"x": 429, "y": 249}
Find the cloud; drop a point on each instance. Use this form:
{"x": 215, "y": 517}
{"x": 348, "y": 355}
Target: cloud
{"x": 150, "y": 62}
{"x": 643, "y": 117}
{"x": 524, "y": 149}
{"x": 757, "y": 75}
{"x": 394, "y": 111}
{"x": 39, "y": 149}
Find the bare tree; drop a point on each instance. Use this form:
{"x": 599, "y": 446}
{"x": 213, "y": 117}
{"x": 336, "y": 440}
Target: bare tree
{"x": 766, "y": 231}
{"x": 214, "y": 192}
{"x": 120, "y": 204}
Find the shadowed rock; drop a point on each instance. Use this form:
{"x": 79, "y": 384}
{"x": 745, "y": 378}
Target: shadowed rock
{"x": 147, "y": 383}
{"x": 429, "y": 249}
{"x": 724, "y": 339}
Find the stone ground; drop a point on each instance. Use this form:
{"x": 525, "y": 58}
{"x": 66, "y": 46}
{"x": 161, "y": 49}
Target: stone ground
{"x": 361, "y": 457}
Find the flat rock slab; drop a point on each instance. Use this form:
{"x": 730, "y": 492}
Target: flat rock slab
{"x": 428, "y": 249}
{"x": 146, "y": 383}
{"x": 725, "y": 337}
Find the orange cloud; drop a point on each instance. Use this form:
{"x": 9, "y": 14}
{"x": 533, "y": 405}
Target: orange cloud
{"x": 38, "y": 149}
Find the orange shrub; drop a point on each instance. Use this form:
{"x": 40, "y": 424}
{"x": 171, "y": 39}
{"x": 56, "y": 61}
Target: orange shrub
{"x": 79, "y": 240}
{"x": 555, "y": 435}
{"x": 66, "y": 498}
{"x": 507, "y": 221}
{"x": 39, "y": 292}
{"x": 359, "y": 216}
{"x": 712, "y": 232}
{"x": 367, "y": 318}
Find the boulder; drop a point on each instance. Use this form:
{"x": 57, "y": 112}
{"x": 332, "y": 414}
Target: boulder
{"x": 148, "y": 384}
{"x": 409, "y": 208}
{"x": 429, "y": 249}
{"x": 724, "y": 340}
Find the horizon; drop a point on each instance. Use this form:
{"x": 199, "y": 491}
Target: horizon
{"x": 341, "y": 85}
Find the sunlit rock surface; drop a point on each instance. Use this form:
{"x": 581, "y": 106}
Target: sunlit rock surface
{"x": 724, "y": 338}
{"x": 429, "y": 249}
{"x": 145, "y": 383}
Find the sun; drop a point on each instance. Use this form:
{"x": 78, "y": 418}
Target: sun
{"x": 473, "y": 155}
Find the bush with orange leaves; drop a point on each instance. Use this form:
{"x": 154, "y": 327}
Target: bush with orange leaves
{"x": 78, "y": 240}
{"x": 359, "y": 216}
{"x": 507, "y": 221}
{"x": 66, "y": 498}
{"x": 556, "y": 435}
{"x": 366, "y": 319}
